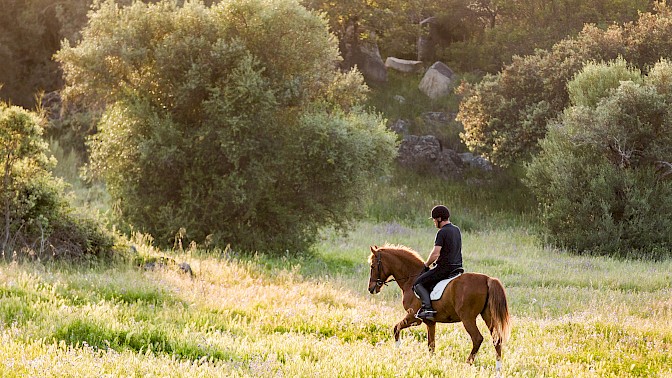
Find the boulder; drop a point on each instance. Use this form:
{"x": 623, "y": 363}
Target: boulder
{"x": 475, "y": 161}
{"x": 364, "y": 55}
{"x": 403, "y": 65}
{"x": 426, "y": 154}
{"x": 437, "y": 81}
{"x": 370, "y": 64}
{"x": 401, "y": 126}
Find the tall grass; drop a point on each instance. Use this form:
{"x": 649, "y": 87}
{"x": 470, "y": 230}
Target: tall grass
{"x": 480, "y": 201}
{"x": 261, "y": 317}
{"x": 89, "y": 195}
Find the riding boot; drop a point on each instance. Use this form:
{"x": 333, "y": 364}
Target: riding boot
{"x": 426, "y": 312}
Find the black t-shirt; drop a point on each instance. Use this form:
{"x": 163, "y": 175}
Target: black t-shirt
{"x": 449, "y": 238}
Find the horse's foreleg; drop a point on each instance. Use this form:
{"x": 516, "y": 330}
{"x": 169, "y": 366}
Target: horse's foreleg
{"x": 476, "y": 337}
{"x": 408, "y": 321}
{"x": 431, "y": 334}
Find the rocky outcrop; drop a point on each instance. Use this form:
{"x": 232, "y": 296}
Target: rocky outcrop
{"x": 428, "y": 154}
{"x": 425, "y": 153}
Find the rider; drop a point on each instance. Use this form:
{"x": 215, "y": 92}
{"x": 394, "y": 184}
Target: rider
{"x": 447, "y": 254}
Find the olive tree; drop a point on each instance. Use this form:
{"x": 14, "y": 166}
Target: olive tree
{"x": 226, "y": 124}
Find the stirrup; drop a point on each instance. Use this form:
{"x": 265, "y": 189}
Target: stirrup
{"x": 425, "y": 314}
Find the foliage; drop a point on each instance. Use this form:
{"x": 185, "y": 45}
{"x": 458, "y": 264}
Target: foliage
{"x": 36, "y": 217}
{"x": 217, "y": 129}
{"x": 510, "y": 29}
{"x": 30, "y": 33}
{"x": 598, "y": 178}
{"x": 506, "y": 115}
{"x": 596, "y": 80}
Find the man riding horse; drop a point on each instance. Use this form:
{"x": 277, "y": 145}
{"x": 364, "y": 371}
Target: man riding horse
{"x": 447, "y": 254}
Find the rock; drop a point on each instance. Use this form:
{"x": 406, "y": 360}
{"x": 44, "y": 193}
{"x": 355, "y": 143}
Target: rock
{"x": 475, "y": 161}
{"x": 370, "y": 64}
{"x": 403, "y": 65}
{"x": 425, "y": 153}
{"x": 186, "y": 268}
{"x": 437, "y": 81}
{"x": 364, "y": 55}
{"x": 400, "y": 126}
{"x": 400, "y": 99}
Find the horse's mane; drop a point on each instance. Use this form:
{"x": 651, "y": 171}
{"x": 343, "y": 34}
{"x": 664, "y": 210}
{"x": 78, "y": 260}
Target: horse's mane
{"x": 400, "y": 250}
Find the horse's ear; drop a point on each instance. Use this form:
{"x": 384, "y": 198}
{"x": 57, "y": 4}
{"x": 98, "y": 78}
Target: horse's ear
{"x": 374, "y": 248}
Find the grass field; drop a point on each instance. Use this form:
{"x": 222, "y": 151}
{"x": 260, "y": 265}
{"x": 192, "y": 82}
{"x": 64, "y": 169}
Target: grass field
{"x": 305, "y": 317}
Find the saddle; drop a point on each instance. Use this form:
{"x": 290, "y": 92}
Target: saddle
{"x": 438, "y": 289}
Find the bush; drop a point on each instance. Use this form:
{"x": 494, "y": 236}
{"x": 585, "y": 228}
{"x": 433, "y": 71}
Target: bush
{"x": 37, "y": 219}
{"x": 596, "y": 80}
{"x": 598, "y": 177}
{"x": 219, "y": 129}
{"x": 506, "y": 115}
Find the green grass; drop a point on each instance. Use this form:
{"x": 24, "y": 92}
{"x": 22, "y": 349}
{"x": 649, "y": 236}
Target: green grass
{"x": 574, "y": 316}
{"x": 311, "y": 315}
{"x": 478, "y": 202}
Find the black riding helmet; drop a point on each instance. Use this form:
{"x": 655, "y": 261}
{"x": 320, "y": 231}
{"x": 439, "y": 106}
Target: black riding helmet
{"x": 441, "y": 212}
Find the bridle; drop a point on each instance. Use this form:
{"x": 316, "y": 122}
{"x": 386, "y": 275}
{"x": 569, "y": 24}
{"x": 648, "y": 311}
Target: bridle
{"x": 379, "y": 266}
{"x": 379, "y": 263}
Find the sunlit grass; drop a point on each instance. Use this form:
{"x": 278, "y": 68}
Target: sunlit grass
{"x": 262, "y": 317}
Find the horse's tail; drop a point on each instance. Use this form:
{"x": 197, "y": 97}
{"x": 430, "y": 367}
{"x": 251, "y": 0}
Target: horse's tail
{"x": 499, "y": 311}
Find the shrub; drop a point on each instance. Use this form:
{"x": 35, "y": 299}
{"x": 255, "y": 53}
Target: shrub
{"x": 596, "y": 80}
{"x": 37, "y": 219}
{"x": 229, "y": 123}
{"x": 507, "y": 114}
{"x": 598, "y": 177}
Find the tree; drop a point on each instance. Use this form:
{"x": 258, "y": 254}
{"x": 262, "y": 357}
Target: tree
{"x": 602, "y": 176}
{"x": 30, "y": 33}
{"x": 229, "y": 122}
{"x": 506, "y": 114}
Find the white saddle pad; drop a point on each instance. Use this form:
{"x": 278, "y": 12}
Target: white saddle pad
{"x": 437, "y": 292}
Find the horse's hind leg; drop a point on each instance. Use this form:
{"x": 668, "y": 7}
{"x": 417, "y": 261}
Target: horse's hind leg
{"x": 476, "y": 337}
{"x": 498, "y": 344}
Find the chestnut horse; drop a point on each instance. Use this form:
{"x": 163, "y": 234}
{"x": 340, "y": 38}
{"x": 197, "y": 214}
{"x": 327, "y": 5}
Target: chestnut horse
{"x": 463, "y": 300}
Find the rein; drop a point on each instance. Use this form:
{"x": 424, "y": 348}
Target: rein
{"x": 379, "y": 282}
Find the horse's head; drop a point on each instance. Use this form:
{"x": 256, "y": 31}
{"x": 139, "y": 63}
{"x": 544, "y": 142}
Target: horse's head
{"x": 379, "y": 274}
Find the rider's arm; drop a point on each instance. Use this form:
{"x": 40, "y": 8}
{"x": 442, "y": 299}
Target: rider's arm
{"x": 433, "y": 255}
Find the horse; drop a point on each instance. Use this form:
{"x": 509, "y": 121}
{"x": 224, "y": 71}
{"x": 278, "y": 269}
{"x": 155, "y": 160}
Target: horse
{"x": 465, "y": 297}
